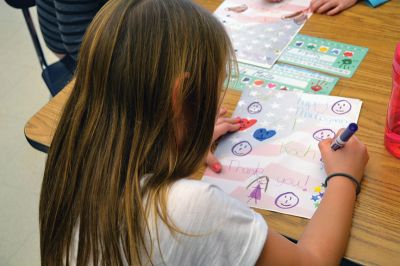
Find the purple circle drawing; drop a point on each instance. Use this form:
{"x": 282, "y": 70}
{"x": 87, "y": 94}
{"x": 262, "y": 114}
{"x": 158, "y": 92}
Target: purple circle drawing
{"x": 286, "y": 200}
{"x": 242, "y": 148}
{"x": 254, "y": 108}
{"x": 323, "y": 134}
{"x": 341, "y": 107}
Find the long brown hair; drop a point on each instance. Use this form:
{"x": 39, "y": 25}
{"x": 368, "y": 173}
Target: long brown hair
{"x": 120, "y": 124}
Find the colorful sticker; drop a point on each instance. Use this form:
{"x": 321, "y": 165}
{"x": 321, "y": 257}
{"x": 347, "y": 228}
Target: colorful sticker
{"x": 258, "y": 82}
{"x": 318, "y": 194}
{"x": 246, "y": 123}
{"x": 317, "y": 86}
{"x": 348, "y": 54}
{"x": 335, "y": 51}
{"x": 323, "y": 49}
{"x": 311, "y": 46}
{"x": 299, "y": 43}
{"x": 262, "y": 134}
{"x": 245, "y": 80}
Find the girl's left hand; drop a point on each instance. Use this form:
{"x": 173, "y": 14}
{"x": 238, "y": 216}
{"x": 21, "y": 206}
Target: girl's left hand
{"x": 223, "y": 125}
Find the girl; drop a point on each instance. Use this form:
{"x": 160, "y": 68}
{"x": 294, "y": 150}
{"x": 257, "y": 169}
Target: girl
{"x": 139, "y": 121}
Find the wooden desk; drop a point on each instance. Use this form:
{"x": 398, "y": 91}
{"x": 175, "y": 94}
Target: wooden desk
{"x": 375, "y": 236}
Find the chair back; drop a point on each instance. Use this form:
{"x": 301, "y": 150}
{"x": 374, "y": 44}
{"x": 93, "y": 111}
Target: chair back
{"x": 20, "y": 4}
{"x": 59, "y": 74}
{"x": 56, "y": 75}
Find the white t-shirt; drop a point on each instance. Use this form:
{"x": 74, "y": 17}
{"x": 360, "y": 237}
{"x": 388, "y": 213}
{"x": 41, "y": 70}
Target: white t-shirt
{"x": 228, "y": 231}
{"x": 224, "y": 231}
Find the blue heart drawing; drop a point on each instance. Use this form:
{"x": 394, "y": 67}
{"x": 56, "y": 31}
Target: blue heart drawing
{"x": 262, "y": 134}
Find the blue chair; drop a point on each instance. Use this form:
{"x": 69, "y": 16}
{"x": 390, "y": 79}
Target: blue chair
{"x": 56, "y": 75}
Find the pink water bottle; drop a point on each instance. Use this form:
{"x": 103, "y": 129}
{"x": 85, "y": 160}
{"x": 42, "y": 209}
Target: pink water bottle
{"x": 392, "y": 131}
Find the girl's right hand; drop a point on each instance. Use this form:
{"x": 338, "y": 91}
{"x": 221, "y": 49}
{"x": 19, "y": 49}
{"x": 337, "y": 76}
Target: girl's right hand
{"x": 351, "y": 159}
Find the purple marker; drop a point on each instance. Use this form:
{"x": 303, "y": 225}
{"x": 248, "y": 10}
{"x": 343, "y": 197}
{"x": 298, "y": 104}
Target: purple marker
{"x": 344, "y": 137}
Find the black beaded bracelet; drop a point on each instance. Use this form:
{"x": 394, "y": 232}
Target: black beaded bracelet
{"x": 352, "y": 178}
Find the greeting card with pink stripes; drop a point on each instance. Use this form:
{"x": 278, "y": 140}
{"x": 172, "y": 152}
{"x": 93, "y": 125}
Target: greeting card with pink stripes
{"x": 273, "y": 162}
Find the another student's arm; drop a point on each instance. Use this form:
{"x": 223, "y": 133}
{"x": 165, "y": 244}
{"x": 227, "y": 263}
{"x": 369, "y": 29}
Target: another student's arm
{"x": 330, "y": 7}
{"x": 325, "y": 238}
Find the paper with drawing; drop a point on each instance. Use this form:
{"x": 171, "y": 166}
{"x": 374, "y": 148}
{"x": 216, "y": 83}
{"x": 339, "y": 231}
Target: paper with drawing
{"x": 259, "y": 30}
{"x": 273, "y": 161}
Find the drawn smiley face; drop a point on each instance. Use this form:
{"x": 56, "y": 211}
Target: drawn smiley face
{"x": 242, "y": 148}
{"x": 341, "y": 107}
{"x": 254, "y": 108}
{"x": 323, "y": 134}
{"x": 287, "y": 200}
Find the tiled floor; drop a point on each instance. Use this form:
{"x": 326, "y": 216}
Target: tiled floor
{"x": 22, "y": 93}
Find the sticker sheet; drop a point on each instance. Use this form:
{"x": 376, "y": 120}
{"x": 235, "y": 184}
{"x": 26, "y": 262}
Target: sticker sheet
{"x": 260, "y": 30}
{"x": 273, "y": 162}
{"x": 323, "y": 55}
{"x": 283, "y": 77}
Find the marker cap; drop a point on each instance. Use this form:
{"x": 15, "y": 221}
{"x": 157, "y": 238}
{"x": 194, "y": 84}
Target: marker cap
{"x": 349, "y": 131}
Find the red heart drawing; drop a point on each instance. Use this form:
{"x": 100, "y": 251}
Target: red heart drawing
{"x": 316, "y": 88}
{"x": 271, "y": 85}
{"x": 245, "y": 124}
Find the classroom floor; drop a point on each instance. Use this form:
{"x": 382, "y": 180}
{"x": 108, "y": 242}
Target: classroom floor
{"x": 22, "y": 93}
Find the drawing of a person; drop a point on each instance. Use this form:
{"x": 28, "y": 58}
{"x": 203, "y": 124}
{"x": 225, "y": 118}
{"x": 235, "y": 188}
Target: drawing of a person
{"x": 262, "y": 184}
